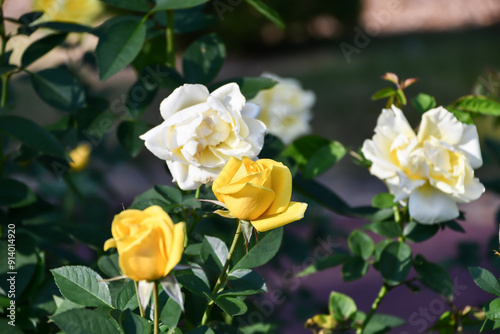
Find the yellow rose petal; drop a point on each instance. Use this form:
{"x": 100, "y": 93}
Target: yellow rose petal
{"x": 246, "y": 201}
{"x": 157, "y": 211}
{"x": 226, "y": 175}
{"x": 142, "y": 263}
{"x": 294, "y": 212}
{"x": 177, "y": 248}
{"x": 282, "y": 186}
{"x": 110, "y": 243}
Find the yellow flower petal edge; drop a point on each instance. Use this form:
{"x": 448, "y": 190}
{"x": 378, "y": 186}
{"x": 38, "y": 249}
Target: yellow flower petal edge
{"x": 110, "y": 243}
{"x": 294, "y": 212}
{"x": 177, "y": 248}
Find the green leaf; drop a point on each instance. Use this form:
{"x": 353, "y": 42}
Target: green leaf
{"x": 135, "y": 5}
{"x": 170, "y": 194}
{"x": 232, "y": 306}
{"x": 323, "y": 159}
{"x": 395, "y": 262}
{"x": 41, "y": 47}
{"x": 416, "y": 232}
{"x": 149, "y": 198}
{"x": 302, "y": 149}
{"x": 382, "y": 323}
{"x": 82, "y": 285}
{"x": 423, "y": 102}
{"x": 383, "y": 201}
{"x": 249, "y": 86}
{"x": 17, "y": 195}
{"x": 361, "y": 244}
{"x": 341, "y": 306}
{"x": 59, "y": 88}
{"x": 354, "y": 268}
{"x": 132, "y": 323}
{"x": 193, "y": 283}
{"x": 85, "y": 321}
{"x": 32, "y": 135}
{"x": 120, "y": 41}
{"x": 463, "y": 116}
{"x": 109, "y": 265}
{"x": 434, "y": 276}
{"x": 330, "y": 262}
{"x": 258, "y": 254}
{"x": 485, "y": 280}
{"x": 65, "y": 27}
{"x": 214, "y": 252}
{"x": 492, "y": 309}
{"x": 267, "y": 11}
{"x": 378, "y": 251}
{"x": 478, "y": 104}
{"x": 384, "y": 93}
{"x": 170, "y": 314}
{"x": 203, "y": 59}
{"x": 177, "y": 4}
{"x": 244, "y": 282}
{"x": 388, "y": 229}
{"x": 127, "y": 297}
{"x": 128, "y": 133}
{"x": 401, "y": 96}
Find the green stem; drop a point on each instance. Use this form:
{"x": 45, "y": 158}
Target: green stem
{"x": 376, "y": 303}
{"x": 71, "y": 184}
{"x": 141, "y": 310}
{"x": 197, "y": 193}
{"x": 5, "y": 82}
{"x": 156, "y": 307}
{"x": 170, "y": 39}
{"x": 223, "y": 274}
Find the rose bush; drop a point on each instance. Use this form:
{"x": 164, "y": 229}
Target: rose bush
{"x": 149, "y": 244}
{"x": 433, "y": 169}
{"x": 259, "y": 192}
{"x": 285, "y": 108}
{"x": 203, "y": 130}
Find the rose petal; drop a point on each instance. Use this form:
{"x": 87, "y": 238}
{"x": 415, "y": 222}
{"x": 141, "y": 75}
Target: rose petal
{"x": 230, "y": 95}
{"x": 251, "y": 110}
{"x": 176, "y": 248}
{"x": 441, "y": 124}
{"x": 428, "y": 205}
{"x": 469, "y": 144}
{"x": 183, "y": 97}
{"x": 110, "y": 243}
{"x": 226, "y": 175}
{"x": 154, "y": 140}
{"x": 281, "y": 184}
{"x": 246, "y": 201}
{"x": 294, "y": 212}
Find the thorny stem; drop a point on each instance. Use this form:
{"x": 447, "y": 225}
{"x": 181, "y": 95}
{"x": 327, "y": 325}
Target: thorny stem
{"x": 223, "y": 274}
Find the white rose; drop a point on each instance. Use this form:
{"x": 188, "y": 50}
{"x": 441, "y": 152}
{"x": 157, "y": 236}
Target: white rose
{"x": 285, "y": 108}
{"x": 434, "y": 169}
{"x": 203, "y": 130}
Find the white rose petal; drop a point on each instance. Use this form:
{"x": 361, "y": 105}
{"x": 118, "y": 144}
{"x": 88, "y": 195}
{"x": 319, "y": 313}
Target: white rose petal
{"x": 434, "y": 169}
{"x": 201, "y": 131}
{"x": 285, "y": 108}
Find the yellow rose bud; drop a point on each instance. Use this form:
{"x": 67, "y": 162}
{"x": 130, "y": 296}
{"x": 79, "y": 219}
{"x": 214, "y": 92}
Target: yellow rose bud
{"x": 80, "y": 157}
{"x": 73, "y": 11}
{"x": 259, "y": 192}
{"x": 149, "y": 244}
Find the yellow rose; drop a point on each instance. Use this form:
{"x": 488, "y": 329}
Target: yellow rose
{"x": 149, "y": 244}
{"x": 259, "y": 192}
{"x": 73, "y": 11}
{"x": 80, "y": 157}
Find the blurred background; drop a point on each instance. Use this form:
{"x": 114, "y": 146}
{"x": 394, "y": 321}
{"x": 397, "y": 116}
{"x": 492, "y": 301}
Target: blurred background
{"x": 338, "y": 49}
